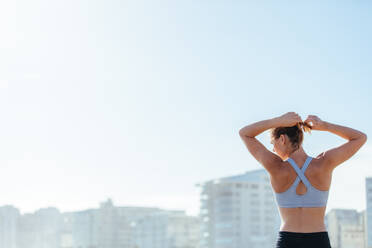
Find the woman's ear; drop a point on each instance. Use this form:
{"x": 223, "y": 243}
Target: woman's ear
{"x": 284, "y": 139}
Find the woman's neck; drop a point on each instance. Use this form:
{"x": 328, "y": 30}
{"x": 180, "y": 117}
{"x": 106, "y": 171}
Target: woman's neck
{"x": 298, "y": 155}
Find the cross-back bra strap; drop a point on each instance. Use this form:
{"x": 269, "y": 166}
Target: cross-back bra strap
{"x": 306, "y": 164}
{"x": 300, "y": 172}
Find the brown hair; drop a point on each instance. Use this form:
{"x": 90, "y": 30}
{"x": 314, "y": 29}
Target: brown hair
{"x": 294, "y": 133}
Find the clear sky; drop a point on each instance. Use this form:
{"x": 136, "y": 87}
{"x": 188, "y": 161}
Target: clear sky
{"x": 141, "y": 100}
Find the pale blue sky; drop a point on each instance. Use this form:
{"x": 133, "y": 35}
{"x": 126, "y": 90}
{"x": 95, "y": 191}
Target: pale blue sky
{"x": 140, "y": 100}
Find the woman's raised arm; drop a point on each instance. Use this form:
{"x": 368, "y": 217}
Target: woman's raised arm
{"x": 337, "y": 155}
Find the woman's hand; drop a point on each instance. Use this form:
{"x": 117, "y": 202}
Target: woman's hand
{"x": 289, "y": 119}
{"x": 316, "y": 123}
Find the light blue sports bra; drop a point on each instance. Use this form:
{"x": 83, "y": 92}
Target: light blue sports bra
{"x": 312, "y": 198}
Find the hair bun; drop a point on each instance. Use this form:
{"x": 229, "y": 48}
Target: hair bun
{"x": 306, "y": 127}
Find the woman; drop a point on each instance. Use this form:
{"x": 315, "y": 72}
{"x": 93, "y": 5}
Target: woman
{"x": 300, "y": 182}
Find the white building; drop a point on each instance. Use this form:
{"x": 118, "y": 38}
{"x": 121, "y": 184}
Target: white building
{"x": 368, "y": 212}
{"x": 106, "y": 227}
{"x": 239, "y": 211}
{"x": 27, "y": 231}
{"x": 8, "y": 226}
{"x": 110, "y": 230}
{"x": 167, "y": 229}
{"x": 77, "y": 229}
{"x": 132, "y": 215}
{"x": 346, "y": 228}
{"x": 40, "y": 229}
{"x": 49, "y": 224}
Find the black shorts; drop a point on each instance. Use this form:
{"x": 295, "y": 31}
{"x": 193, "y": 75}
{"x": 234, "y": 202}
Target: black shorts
{"x": 303, "y": 240}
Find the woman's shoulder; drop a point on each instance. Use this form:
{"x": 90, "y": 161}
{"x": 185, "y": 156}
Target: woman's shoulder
{"x": 316, "y": 165}
{"x": 319, "y": 163}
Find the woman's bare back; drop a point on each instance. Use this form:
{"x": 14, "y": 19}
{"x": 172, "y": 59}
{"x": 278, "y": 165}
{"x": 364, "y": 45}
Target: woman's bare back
{"x": 302, "y": 219}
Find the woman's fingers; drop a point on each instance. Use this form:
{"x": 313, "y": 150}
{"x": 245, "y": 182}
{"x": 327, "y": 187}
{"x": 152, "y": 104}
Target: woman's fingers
{"x": 309, "y": 118}
{"x": 315, "y": 121}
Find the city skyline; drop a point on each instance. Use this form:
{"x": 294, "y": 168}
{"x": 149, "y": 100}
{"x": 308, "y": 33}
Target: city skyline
{"x": 232, "y": 209}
